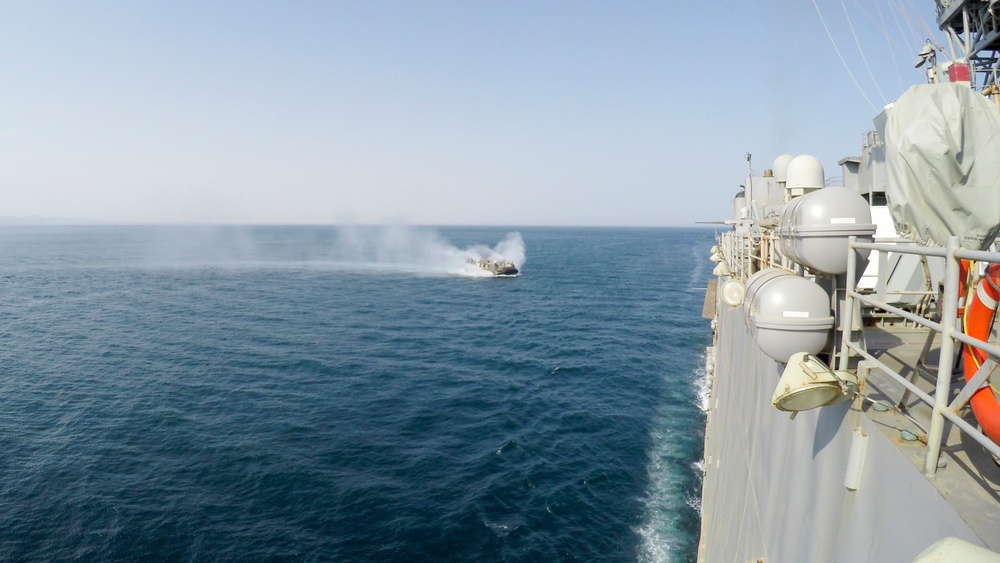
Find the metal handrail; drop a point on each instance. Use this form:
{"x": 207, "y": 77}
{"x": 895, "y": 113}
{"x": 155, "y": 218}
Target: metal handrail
{"x": 952, "y": 253}
{"x": 738, "y": 253}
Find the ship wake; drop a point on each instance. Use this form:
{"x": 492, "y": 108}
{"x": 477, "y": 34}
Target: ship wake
{"x": 674, "y": 485}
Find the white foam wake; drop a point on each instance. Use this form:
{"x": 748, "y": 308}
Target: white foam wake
{"x": 699, "y": 257}
{"x": 663, "y": 508}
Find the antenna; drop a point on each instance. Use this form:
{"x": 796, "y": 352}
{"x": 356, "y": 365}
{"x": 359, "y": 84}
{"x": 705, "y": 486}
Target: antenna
{"x": 749, "y": 157}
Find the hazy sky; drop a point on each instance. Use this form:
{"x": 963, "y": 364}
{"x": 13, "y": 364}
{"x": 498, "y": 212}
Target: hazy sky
{"x": 423, "y": 112}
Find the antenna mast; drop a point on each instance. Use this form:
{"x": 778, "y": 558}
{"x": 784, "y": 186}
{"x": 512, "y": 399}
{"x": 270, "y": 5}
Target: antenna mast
{"x": 974, "y": 26}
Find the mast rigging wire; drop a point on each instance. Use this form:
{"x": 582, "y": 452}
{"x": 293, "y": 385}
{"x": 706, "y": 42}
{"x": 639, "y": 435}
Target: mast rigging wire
{"x": 842, "y": 61}
{"x": 864, "y": 59}
{"x": 895, "y": 17}
{"x": 888, "y": 41}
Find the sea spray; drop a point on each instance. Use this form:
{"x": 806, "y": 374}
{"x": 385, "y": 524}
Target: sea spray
{"x": 418, "y": 249}
{"x": 511, "y": 248}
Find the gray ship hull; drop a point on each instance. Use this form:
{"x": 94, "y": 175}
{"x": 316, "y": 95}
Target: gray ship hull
{"x": 774, "y": 487}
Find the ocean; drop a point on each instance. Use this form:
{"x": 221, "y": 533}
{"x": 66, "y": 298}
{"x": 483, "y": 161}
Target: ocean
{"x": 350, "y": 394}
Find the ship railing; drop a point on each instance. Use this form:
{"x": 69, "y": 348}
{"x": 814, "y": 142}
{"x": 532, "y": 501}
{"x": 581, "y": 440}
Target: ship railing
{"x": 736, "y": 249}
{"x": 951, "y": 339}
{"x": 749, "y": 252}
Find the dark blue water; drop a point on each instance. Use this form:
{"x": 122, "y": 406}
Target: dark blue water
{"x": 255, "y": 394}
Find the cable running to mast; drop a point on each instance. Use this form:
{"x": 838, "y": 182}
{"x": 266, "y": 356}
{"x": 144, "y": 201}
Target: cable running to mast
{"x": 842, "y": 61}
{"x": 864, "y": 59}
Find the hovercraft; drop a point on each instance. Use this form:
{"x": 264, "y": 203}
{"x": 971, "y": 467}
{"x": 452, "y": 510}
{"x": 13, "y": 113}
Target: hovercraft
{"x": 496, "y": 267}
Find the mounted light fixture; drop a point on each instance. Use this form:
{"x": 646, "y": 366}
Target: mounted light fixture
{"x": 722, "y": 270}
{"x": 732, "y": 293}
{"x": 807, "y": 383}
{"x": 924, "y": 55}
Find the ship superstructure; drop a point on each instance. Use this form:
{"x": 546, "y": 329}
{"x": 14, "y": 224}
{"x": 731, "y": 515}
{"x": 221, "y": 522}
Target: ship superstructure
{"x": 852, "y": 412}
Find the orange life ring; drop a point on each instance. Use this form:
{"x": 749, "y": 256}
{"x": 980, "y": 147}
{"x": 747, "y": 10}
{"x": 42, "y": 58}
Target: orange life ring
{"x": 977, "y": 322}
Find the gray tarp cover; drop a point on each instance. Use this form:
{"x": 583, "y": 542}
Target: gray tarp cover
{"x": 942, "y": 146}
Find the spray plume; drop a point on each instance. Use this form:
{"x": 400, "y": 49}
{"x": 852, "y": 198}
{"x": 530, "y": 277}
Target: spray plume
{"x": 418, "y": 250}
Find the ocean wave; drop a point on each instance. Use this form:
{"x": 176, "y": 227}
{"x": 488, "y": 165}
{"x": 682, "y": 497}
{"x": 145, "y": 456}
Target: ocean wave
{"x": 311, "y": 412}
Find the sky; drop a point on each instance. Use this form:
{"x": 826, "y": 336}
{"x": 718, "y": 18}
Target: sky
{"x": 514, "y": 113}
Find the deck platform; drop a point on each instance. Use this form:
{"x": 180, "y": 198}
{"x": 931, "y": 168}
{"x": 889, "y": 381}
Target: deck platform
{"x": 968, "y": 477}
